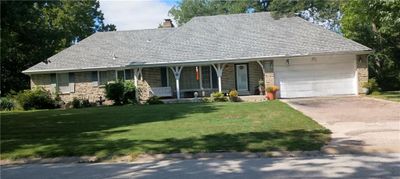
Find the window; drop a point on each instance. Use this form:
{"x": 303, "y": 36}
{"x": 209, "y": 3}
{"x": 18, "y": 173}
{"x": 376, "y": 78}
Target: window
{"x": 188, "y": 78}
{"x": 214, "y": 78}
{"x": 205, "y": 75}
{"x": 63, "y": 82}
{"x": 120, "y": 75}
{"x": 53, "y": 82}
{"x": 128, "y": 74}
{"x": 71, "y": 78}
{"x": 164, "y": 76}
{"x": 106, "y": 76}
{"x": 94, "y": 77}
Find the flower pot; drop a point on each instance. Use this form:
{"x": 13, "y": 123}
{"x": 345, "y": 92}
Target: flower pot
{"x": 271, "y": 95}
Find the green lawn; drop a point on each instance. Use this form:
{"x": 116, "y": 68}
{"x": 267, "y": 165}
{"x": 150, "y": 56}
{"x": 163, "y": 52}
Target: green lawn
{"x": 388, "y": 95}
{"x": 169, "y": 128}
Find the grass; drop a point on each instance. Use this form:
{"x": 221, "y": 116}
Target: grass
{"x": 130, "y": 130}
{"x": 388, "y": 95}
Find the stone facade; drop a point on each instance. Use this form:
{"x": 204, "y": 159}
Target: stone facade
{"x": 362, "y": 71}
{"x": 84, "y": 87}
{"x": 269, "y": 76}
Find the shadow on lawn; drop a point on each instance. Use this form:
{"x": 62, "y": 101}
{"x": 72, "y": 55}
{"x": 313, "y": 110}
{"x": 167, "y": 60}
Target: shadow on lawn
{"x": 67, "y": 128}
{"x": 219, "y": 142}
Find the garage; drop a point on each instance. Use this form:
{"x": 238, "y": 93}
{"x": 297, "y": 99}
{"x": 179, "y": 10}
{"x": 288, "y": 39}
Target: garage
{"x": 316, "y": 76}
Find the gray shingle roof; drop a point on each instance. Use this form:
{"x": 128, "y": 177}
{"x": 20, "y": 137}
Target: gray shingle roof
{"x": 221, "y": 37}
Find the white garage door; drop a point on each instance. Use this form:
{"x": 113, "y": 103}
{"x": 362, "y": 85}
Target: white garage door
{"x": 319, "y": 76}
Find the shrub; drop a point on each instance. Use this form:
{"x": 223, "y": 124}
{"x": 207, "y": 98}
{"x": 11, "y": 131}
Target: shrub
{"x": 233, "y": 96}
{"x": 115, "y": 92}
{"x": 58, "y": 101}
{"x": 121, "y": 92}
{"x": 85, "y": 103}
{"x": 79, "y": 103}
{"x": 129, "y": 92}
{"x": 272, "y": 89}
{"x": 371, "y": 86}
{"x": 218, "y": 97}
{"x": 76, "y": 103}
{"x": 376, "y": 93}
{"x": 6, "y": 104}
{"x": 154, "y": 100}
{"x": 37, "y": 98}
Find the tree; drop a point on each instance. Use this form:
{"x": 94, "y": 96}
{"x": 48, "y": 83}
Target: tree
{"x": 322, "y": 12}
{"x": 187, "y": 9}
{"x": 32, "y": 31}
{"x": 376, "y": 24}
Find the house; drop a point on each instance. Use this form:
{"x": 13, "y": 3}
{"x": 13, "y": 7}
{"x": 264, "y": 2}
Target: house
{"x": 207, "y": 54}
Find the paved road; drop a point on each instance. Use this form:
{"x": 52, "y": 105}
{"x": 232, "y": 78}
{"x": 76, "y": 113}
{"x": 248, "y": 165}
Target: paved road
{"x": 343, "y": 166}
{"x": 359, "y": 124}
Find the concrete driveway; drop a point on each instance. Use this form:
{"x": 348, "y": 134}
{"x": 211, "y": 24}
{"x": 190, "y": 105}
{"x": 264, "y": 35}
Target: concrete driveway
{"x": 358, "y": 124}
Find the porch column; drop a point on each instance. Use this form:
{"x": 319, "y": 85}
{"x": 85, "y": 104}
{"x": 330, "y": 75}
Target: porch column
{"x": 219, "y": 68}
{"x": 136, "y": 73}
{"x": 177, "y": 73}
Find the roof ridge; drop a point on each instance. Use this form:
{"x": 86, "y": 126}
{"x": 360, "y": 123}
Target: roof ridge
{"x": 233, "y": 14}
{"x": 137, "y": 30}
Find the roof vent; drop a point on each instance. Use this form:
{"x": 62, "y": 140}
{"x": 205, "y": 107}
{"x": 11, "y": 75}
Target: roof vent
{"x": 114, "y": 56}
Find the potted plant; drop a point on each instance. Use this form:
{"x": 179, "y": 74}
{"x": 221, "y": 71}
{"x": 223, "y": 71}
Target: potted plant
{"x": 261, "y": 86}
{"x": 271, "y": 92}
{"x": 234, "y": 96}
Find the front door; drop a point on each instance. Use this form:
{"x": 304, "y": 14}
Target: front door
{"x": 242, "y": 83}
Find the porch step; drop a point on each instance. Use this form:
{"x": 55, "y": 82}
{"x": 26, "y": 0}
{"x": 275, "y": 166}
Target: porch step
{"x": 252, "y": 98}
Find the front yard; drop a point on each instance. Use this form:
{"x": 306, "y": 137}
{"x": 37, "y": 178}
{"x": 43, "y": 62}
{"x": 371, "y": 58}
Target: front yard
{"x": 130, "y": 130}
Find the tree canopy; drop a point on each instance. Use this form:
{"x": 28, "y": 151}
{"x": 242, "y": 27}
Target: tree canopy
{"x": 32, "y": 31}
{"x": 187, "y": 9}
{"x": 376, "y": 24}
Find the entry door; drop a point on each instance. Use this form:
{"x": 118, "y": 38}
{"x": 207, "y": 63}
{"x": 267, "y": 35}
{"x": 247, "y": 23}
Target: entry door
{"x": 242, "y": 82}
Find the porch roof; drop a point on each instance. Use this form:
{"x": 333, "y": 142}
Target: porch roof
{"x": 203, "y": 39}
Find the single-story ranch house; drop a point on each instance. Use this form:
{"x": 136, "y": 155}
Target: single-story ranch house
{"x": 207, "y": 54}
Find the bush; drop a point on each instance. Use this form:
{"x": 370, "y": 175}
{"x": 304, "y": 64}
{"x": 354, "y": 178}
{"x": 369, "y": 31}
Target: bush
{"x": 76, "y": 103}
{"x": 218, "y": 97}
{"x": 80, "y": 103}
{"x": 37, "y": 98}
{"x": 129, "y": 92}
{"x": 154, "y": 100}
{"x": 115, "y": 92}
{"x": 371, "y": 85}
{"x": 85, "y": 103}
{"x": 7, "y": 104}
{"x": 233, "y": 96}
{"x": 121, "y": 92}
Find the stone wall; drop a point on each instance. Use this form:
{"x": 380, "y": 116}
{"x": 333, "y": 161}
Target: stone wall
{"x": 362, "y": 71}
{"x": 84, "y": 87}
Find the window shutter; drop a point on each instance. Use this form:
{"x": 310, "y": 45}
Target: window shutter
{"x": 95, "y": 80}
{"x": 71, "y": 82}
{"x": 164, "y": 79}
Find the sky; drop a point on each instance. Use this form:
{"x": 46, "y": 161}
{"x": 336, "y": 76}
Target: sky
{"x": 136, "y": 14}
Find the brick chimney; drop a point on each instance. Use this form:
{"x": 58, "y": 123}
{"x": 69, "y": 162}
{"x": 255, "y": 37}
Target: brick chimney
{"x": 167, "y": 23}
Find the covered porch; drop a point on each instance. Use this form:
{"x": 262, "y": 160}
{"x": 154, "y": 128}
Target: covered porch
{"x": 187, "y": 81}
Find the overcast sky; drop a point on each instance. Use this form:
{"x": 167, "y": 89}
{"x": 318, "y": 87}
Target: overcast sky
{"x": 136, "y": 14}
